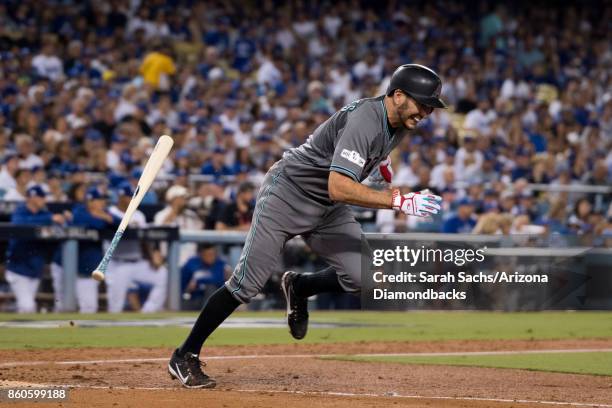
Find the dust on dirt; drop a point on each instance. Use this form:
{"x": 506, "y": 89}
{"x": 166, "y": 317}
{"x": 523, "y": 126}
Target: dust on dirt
{"x": 280, "y": 379}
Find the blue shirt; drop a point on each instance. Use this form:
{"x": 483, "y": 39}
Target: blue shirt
{"x": 520, "y": 172}
{"x": 203, "y": 273}
{"x": 210, "y": 170}
{"x": 244, "y": 49}
{"x": 539, "y": 142}
{"x": 90, "y": 252}
{"x": 457, "y": 225}
{"x": 28, "y": 257}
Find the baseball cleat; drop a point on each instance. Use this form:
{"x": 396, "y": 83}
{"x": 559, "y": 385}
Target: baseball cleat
{"x": 297, "y": 307}
{"x": 188, "y": 370}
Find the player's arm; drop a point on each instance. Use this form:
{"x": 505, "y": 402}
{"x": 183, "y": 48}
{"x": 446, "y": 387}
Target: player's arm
{"x": 357, "y": 142}
{"x": 23, "y": 217}
{"x": 343, "y": 188}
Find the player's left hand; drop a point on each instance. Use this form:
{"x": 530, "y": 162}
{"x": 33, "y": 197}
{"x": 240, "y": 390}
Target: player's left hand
{"x": 385, "y": 169}
{"x": 416, "y": 204}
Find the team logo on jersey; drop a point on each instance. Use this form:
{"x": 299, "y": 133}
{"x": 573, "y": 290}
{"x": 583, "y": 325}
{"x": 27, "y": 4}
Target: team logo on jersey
{"x": 353, "y": 157}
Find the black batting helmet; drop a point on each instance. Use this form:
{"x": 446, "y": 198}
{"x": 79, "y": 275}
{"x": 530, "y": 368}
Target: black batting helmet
{"x": 419, "y": 82}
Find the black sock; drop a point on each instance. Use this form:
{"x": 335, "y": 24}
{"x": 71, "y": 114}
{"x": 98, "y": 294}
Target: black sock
{"x": 308, "y": 284}
{"x": 218, "y": 307}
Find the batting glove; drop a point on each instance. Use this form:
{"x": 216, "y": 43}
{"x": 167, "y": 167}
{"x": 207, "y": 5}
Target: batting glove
{"x": 417, "y": 204}
{"x": 385, "y": 169}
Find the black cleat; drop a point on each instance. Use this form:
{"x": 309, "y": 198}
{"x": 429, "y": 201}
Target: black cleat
{"x": 297, "y": 307}
{"x": 188, "y": 370}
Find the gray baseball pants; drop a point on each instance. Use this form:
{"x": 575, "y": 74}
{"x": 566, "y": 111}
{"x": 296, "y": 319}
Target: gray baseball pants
{"x": 282, "y": 212}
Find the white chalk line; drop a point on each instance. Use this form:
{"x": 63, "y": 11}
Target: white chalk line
{"x": 337, "y": 394}
{"x": 288, "y": 356}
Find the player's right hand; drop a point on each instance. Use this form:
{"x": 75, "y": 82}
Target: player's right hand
{"x": 416, "y": 204}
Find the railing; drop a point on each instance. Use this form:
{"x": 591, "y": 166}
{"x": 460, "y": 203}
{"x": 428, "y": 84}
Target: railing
{"x": 71, "y": 235}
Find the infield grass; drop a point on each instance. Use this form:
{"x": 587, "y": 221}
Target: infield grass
{"x": 596, "y": 363}
{"x": 383, "y": 326}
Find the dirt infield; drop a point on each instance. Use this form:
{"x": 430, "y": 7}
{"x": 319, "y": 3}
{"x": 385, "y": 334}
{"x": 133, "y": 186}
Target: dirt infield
{"x": 292, "y": 375}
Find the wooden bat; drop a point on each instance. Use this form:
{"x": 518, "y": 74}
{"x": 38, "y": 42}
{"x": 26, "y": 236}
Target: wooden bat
{"x": 159, "y": 154}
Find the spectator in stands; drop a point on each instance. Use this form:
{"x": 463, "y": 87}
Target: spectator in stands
{"x": 28, "y": 159}
{"x": 580, "y": 220}
{"x": 603, "y": 232}
{"x": 216, "y": 166}
{"x": 490, "y": 203}
{"x": 23, "y": 177}
{"x": 237, "y": 215}
{"x": 202, "y": 274}
{"x": 463, "y": 221}
{"x": 479, "y": 120}
{"x": 522, "y": 225}
{"x": 176, "y": 214}
{"x": 423, "y": 181}
{"x": 209, "y": 204}
{"x": 493, "y": 224}
{"x": 522, "y": 165}
{"x": 556, "y": 219}
{"x": 26, "y": 258}
{"x": 47, "y": 64}
{"x": 468, "y": 160}
{"x": 8, "y": 174}
{"x": 438, "y": 178}
{"x": 93, "y": 214}
{"x": 408, "y": 175}
{"x": 158, "y": 67}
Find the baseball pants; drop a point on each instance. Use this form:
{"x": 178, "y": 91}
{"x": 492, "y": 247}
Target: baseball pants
{"x": 86, "y": 291}
{"x": 122, "y": 274}
{"x": 25, "y": 289}
{"x": 282, "y": 212}
{"x": 87, "y": 294}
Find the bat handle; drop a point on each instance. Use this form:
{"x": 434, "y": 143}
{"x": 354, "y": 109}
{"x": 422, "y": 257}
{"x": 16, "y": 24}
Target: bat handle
{"x": 109, "y": 252}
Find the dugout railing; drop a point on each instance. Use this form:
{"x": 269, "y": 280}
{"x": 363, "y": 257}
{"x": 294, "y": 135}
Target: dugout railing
{"x": 596, "y": 252}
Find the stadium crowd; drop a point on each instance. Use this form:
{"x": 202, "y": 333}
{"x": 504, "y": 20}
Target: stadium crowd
{"x": 87, "y": 88}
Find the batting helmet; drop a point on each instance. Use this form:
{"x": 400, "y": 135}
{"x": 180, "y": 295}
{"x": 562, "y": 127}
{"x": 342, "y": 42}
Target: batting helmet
{"x": 419, "y": 82}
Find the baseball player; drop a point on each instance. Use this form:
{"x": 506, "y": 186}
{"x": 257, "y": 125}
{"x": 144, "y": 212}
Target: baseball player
{"x": 93, "y": 214}
{"x": 26, "y": 259}
{"x": 128, "y": 264}
{"x": 307, "y": 193}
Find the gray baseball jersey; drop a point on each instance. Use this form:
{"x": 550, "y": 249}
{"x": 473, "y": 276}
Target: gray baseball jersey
{"x": 353, "y": 142}
{"x": 294, "y": 200}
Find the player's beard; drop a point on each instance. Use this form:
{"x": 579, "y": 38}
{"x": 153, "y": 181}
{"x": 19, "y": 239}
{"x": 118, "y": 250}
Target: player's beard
{"x": 408, "y": 119}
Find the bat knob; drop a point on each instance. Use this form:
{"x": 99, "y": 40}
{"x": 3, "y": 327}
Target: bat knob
{"x": 98, "y": 275}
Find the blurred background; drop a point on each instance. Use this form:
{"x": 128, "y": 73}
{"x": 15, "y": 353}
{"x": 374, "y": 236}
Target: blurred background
{"x": 86, "y": 88}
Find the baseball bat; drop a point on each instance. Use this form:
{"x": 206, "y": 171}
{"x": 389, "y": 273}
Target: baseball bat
{"x": 159, "y": 154}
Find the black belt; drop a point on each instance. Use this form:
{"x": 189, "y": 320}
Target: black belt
{"x": 127, "y": 260}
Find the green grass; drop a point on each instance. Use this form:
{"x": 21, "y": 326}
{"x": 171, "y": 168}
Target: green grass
{"x": 597, "y": 363}
{"x": 390, "y": 326}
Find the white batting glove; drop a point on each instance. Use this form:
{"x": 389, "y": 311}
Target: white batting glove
{"x": 416, "y": 204}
